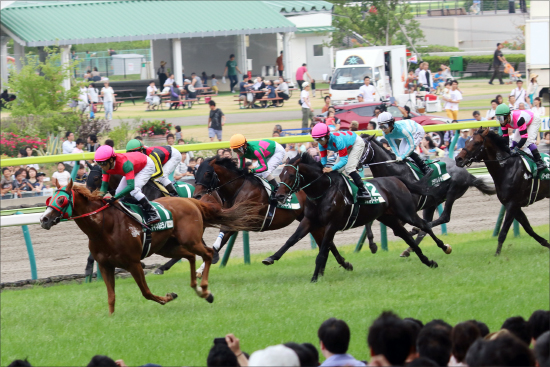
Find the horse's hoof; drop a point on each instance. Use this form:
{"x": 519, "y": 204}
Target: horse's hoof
{"x": 158, "y": 271}
{"x": 405, "y": 254}
{"x": 173, "y": 295}
{"x": 199, "y": 275}
{"x": 414, "y": 231}
{"x": 268, "y": 261}
{"x": 449, "y": 249}
{"x": 314, "y": 280}
{"x": 497, "y": 253}
{"x": 348, "y": 267}
{"x": 210, "y": 298}
{"x": 373, "y": 248}
{"x": 215, "y": 257}
{"x": 433, "y": 264}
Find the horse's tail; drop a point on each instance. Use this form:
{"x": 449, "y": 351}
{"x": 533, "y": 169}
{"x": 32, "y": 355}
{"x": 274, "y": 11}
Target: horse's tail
{"x": 484, "y": 184}
{"x": 237, "y": 218}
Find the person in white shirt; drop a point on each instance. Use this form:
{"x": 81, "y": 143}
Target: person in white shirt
{"x": 538, "y": 109}
{"x": 168, "y": 83}
{"x": 491, "y": 113}
{"x": 425, "y": 78}
{"x": 519, "y": 93}
{"x": 451, "y": 105}
{"x": 108, "y": 95}
{"x": 61, "y": 176}
{"x": 68, "y": 147}
{"x": 307, "y": 109}
{"x": 282, "y": 90}
{"x": 512, "y": 103}
{"x": 93, "y": 93}
{"x": 82, "y": 98}
{"x": 532, "y": 88}
{"x": 368, "y": 90}
{"x": 151, "y": 92}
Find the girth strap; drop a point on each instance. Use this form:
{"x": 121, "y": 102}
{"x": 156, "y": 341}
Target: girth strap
{"x": 269, "y": 216}
{"x": 535, "y": 186}
{"x": 146, "y": 243}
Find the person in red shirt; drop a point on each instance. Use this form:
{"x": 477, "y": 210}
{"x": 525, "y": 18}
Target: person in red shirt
{"x": 136, "y": 169}
{"x": 300, "y": 75}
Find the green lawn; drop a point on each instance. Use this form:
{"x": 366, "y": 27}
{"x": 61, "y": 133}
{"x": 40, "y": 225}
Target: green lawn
{"x": 67, "y": 324}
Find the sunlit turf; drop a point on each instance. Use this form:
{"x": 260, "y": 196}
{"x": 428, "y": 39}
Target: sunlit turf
{"x": 68, "y": 324}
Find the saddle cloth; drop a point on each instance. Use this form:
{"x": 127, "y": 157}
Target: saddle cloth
{"x": 184, "y": 190}
{"x": 166, "y": 221}
{"x": 532, "y": 167}
{"x": 292, "y": 203}
{"x": 376, "y": 198}
{"x": 439, "y": 174}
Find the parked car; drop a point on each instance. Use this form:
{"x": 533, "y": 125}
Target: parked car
{"x": 364, "y": 112}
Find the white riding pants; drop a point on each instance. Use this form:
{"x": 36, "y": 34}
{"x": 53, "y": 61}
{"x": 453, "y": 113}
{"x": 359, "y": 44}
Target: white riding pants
{"x": 354, "y": 156}
{"x": 140, "y": 180}
{"x": 404, "y": 145}
{"x": 273, "y": 162}
{"x": 170, "y": 166}
{"x": 532, "y": 132}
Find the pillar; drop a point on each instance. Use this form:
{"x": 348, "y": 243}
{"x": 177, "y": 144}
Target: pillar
{"x": 19, "y": 55}
{"x": 241, "y": 54}
{"x": 65, "y": 61}
{"x": 177, "y": 61}
{"x": 287, "y": 56}
{"x": 3, "y": 64}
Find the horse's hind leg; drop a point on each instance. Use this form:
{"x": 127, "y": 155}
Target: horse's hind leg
{"x": 206, "y": 253}
{"x": 511, "y": 212}
{"x": 108, "y": 274}
{"x": 318, "y": 236}
{"x": 303, "y": 229}
{"x": 415, "y": 220}
{"x": 372, "y": 245}
{"x": 137, "y": 272}
{"x": 161, "y": 269}
{"x": 522, "y": 219}
{"x": 217, "y": 246}
{"x": 428, "y": 215}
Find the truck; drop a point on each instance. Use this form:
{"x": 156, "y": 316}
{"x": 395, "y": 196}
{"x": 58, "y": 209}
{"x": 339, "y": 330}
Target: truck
{"x": 385, "y": 65}
{"x": 537, "y": 52}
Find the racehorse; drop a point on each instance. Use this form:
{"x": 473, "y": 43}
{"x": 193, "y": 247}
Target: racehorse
{"x": 327, "y": 210}
{"x": 514, "y": 184}
{"x": 115, "y": 237}
{"x": 235, "y": 186}
{"x": 447, "y": 191}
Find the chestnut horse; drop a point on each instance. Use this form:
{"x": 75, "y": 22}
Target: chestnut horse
{"x": 115, "y": 238}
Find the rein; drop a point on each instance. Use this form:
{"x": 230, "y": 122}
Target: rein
{"x": 296, "y": 186}
{"x": 475, "y": 153}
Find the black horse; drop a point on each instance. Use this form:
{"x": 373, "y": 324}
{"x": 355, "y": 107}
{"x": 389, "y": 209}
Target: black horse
{"x": 514, "y": 184}
{"x": 329, "y": 208}
{"x": 447, "y": 191}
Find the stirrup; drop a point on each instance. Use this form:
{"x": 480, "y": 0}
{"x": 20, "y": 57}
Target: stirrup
{"x": 540, "y": 166}
{"x": 364, "y": 194}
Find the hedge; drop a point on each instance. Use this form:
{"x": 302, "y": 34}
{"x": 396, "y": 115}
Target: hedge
{"x": 435, "y": 61}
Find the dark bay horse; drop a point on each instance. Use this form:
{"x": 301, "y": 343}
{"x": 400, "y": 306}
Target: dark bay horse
{"x": 115, "y": 239}
{"x": 512, "y": 180}
{"x": 234, "y": 186}
{"x": 446, "y": 192}
{"x": 327, "y": 209}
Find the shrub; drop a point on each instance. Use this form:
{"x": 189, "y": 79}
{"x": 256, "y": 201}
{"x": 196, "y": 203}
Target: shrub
{"x": 155, "y": 127}
{"x": 121, "y": 134}
{"x": 436, "y": 48}
{"x": 10, "y": 143}
{"x": 435, "y": 61}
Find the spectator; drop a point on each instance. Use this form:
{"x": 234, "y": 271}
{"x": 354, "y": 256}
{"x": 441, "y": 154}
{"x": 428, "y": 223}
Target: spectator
{"x": 532, "y": 87}
{"x": 449, "y": 135}
{"x": 170, "y": 139}
{"x": 181, "y": 169}
{"x": 429, "y": 148}
{"x": 542, "y": 350}
{"x": 6, "y": 182}
{"x": 216, "y": 120}
{"x": 204, "y": 79}
{"x": 20, "y": 184}
{"x": 243, "y": 89}
{"x": 175, "y": 94}
{"x": 79, "y": 146}
{"x": 305, "y": 356}
{"x": 191, "y": 93}
{"x": 192, "y": 168}
{"x": 483, "y": 329}
{"x": 434, "y": 342}
{"x": 521, "y": 106}
{"x": 312, "y": 84}
{"x": 82, "y": 99}
{"x": 199, "y": 161}
{"x": 300, "y": 72}
{"x": 462, "y": 337}
{"x": 220, "y": 152}
{"x": 227, "y": 153}
{"x": 35, "y": 182}
{"x": 178, "y": 132}
{"x": 438, "y": 81}
{"x": 68, "y": 146}
{"x": 92, "y": 143}
{"x": 425, "y": 78}
{"x": 410, "y": 83}
{"x": 539, "y": 322}
{"x": 314, "y": 353}
{"x": 414, "y": 326}
{"x": 108, "y": 95}
{"x": 538, "y": 109}
{"x": 446, "y": 74}
{"x": 93, "y": 94}
{"x": 422, "y": 362}
{"x": 170, "y": 81}
{"x": 214, "y": 87}
{"x": 354, "y": 126}
{"x": 270, "y": 93}
{"x": 519, "y": 93}
{"x": 20, "y": 363}
{"x": 451, "y": 107}
{"x": 110, "y": 143}
{"x": 161, "y": 72}
{"x": 377, "y": 112}
{"x": 87, "y": 76}
{"x": 196, "y": 82}
{"x": 181, "y": 142}
{"x": 291, "y": 151}
{"x": 327, "y": 104}
{"x": 360, "y": 98}
{"x": 499, "y": 99}
{"x": 477, "y": 116}
{"x": 390, "y": 336}
{"x": 276, "y": 355}
{"x": 332, "y": 121}
{"x": 406, "y": 111}
{"x": 512, "y": 103}
{"x": 440, "y": 324}
{"x": 258, "y": 86}
{"x": 506, "y": 350}
{"x": 385, "y": 144}
{"x": 102, "y": 361}
{"x": 368, "y": 90}
{"x": 278, "y": 129}
{"x": 461, "y": 142}
{"x": 491, "y": 113}
{"x": 498, "y": 60}
{"x": 231, "y": 69}
{"x": 372, "y": 125}
{"x": 95, "y": 75}
{"x": 81, "y": 174}
{"x": 282, "y": 90}
{"x": 280, "y": 64}
{"x": 334, "y": 337}
{"x": 221, "y": 356}
{"x": 519, "y": 327}
{"x": 151, "y": 93}
{"x": 307, "y": 108}
{"x": 61, "y": 175}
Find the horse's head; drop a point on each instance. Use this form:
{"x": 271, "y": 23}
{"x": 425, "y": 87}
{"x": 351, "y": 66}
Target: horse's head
{"x": 58, "y": 206}
{"x": 473, "y": 148}
{"x": 206, "y": 178}
{"x": 296, "y": 174}
{"x": 93, "y": 182}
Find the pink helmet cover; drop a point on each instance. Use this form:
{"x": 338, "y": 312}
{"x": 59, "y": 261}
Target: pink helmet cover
{"x": 319, "y": 130}
{"x": 104, "y": 153}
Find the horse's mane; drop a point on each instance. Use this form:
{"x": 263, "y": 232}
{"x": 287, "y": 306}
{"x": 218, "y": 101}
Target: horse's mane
{"x": 500, "y": 141}
{"x": 227, "y": 163}
{"x": 306, "y": 159}
{"x": 375, "y": 141}
{"x": 83, "y": 190}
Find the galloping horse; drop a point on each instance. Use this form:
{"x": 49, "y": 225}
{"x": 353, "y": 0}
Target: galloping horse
{"x": 235, "y": 186}
{"x": 326, "y": 209}
{"x": 115, "y": 238}
{"x": 447, "y": 191}
{"x": 513, "y": 182}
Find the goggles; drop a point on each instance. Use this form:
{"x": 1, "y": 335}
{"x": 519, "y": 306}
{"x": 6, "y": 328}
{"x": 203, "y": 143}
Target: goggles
{"x": 321, "y": 138}
{"x": 384, "y": 126}
{"x": 102, "y": 163}
{"x": 500, "y": 119}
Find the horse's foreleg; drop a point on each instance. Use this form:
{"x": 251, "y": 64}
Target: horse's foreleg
{"x": 425, "y": 227}
{"x": 372, "y": 245}
{"x": 511, "y": 212}
{"x": 445, "y": 216}
{"x": 108, "y": 274}
{"x": 303, "y": 229}
{"x": 161, "y": 269}
{"x": 318, "y": 234}
{"x": 428, "y": 215}
{"x": 522, "y": 219}
{"x": 138, "y": 275}
{"x": 206, "y": 254}
{"x": 324, "y": 248}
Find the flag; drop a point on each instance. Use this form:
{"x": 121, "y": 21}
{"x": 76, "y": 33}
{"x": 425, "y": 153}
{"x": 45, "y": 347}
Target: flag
{"x": 413, "y": 59}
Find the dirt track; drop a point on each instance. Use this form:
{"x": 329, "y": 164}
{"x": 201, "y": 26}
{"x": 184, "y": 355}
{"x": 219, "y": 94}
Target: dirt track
{"x": 63, "y": 250}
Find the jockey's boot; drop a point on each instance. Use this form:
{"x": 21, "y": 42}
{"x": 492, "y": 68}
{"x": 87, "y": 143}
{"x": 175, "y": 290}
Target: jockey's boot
{"x": 426, "y": 170}
{"x": 538, "y": 160}
{"x": 172, "y": 190}
{"x": 150, "y": 213}
{"x": 275, "y": 186}
{"x": 363, "y": 193}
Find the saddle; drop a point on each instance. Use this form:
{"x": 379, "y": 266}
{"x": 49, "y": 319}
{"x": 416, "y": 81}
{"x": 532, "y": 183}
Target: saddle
{"x": 439, "y": 171}
{"x": 184, "y": 190}
{"x": 532, "y": 167}
{"x": 376, "y": 198}
{"x": 292, "y": 203}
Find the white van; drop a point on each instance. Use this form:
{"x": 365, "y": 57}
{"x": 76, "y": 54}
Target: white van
{"x": 385, "y": 65}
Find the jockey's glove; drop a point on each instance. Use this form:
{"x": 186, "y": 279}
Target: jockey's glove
{"x": 515, "y": 151}
{"x": 399, "y": 159}
{"x": 111, "y": 200}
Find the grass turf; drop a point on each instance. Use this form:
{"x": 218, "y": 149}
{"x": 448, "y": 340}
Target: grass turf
{"x": 68, "y": 324}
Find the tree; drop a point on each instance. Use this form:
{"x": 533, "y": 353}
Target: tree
{"x": 374, "y": 23}
{"x": 38, "y": 86}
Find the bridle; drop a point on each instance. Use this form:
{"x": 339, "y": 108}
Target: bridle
{"x": 473, "y": 155}
{"x": 214, "y": 183}
{"x": 296, "y": 185}
{"x": 64, "y": 207}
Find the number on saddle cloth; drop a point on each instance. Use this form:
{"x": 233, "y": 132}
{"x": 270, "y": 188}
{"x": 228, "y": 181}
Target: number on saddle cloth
{"x": 376, "y": 198}
{"x": 532, "y": 167}
{"x": 166, "y": 220}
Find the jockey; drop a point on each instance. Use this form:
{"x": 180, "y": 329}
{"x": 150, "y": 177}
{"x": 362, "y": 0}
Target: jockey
{"x": 136, "y": 168}
{"x": 350, "y": 148}
{"x": 526, "y": 125}
{"x": 165, "y": 158}
{"x": 411, "y": 134}
{"x": 268, "y": 153}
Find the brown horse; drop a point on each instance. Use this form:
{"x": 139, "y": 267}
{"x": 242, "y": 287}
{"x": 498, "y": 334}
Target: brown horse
{"x": 115, "y": 239}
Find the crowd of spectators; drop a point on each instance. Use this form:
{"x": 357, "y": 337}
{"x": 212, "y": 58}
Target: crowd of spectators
{"x": 394, "y": 341}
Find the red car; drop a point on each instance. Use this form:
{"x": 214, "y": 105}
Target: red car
{"x": 364, "y": 112}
